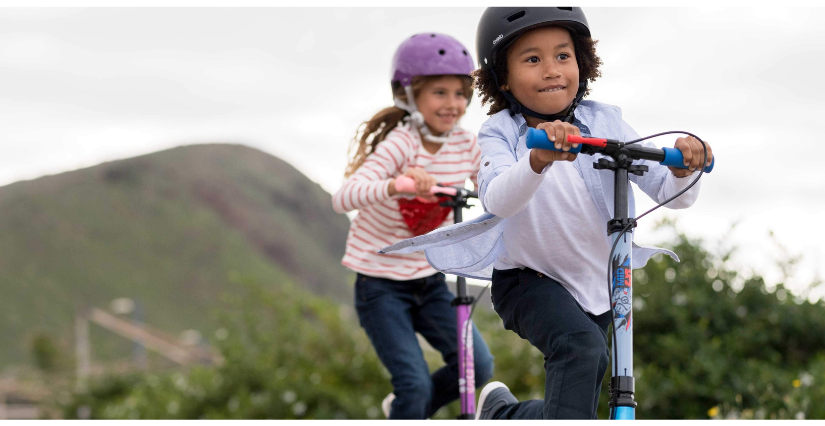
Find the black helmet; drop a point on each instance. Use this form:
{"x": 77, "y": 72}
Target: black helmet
{"x": 500, "y": 26}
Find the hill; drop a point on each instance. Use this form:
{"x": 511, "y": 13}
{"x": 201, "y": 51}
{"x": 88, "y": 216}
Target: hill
{"x": 170, "y": 229}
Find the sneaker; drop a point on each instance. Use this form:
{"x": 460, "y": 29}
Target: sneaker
{"x": 493, "y": 398}
{"x": 386, "y": 404}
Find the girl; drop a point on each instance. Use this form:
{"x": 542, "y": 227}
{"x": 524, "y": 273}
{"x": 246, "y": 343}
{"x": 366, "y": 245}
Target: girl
{"x": 545, "y": 236}
{"x": 399, "y": 295}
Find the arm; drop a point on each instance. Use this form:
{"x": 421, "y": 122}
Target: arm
{"x": 509, "y": 192}
{"x": 659, "y": 183}
{"x": 505, "y": 184}
{"x": 673, "y": 185}
{"x": 513, "y": 188}
{"x": 373, "y": 182}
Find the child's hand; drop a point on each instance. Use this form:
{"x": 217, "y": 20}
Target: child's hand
{"x": 693, "y": 153}
{"x": 557, "y": 132}
{"x": 423, "y": 183}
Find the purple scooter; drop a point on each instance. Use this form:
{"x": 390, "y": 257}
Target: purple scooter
{"x": 463, "y": 302}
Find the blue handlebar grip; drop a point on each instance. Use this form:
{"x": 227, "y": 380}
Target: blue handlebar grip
{"x": 538, "y": 139}
{"x": 673, "y": 158}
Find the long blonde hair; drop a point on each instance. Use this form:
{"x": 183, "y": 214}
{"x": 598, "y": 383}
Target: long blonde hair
{"x": 371, "y": 132}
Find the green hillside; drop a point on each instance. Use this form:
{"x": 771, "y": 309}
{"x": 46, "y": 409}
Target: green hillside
{"x": 170, "y": 229}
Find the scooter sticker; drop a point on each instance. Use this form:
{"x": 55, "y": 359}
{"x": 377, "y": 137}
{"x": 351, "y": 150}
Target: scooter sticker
{"x": 468, "y": 382}
{"x": 621, "y": 292}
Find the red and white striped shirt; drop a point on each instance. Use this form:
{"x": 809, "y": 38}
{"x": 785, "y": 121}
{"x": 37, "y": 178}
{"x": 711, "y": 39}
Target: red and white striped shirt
{"x": 379, "y": 222}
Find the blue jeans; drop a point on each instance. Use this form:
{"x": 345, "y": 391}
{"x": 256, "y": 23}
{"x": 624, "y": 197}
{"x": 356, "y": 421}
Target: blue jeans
{"x": 391, "y": 312}
{"x": 574, "y": 343}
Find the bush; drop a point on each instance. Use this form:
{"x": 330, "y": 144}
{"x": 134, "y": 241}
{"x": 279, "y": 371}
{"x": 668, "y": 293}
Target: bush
{"x": 708, "y": 344}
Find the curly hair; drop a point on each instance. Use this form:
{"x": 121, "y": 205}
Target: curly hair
{"x": 490, "y": 92}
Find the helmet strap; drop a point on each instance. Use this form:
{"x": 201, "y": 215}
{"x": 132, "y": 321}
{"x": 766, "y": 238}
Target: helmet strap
{"x": 517, "y": 108}
{"x": 417, "y": 118}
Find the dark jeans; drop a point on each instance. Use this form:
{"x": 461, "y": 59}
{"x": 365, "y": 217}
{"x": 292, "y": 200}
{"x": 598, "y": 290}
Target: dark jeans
{"x": 574, "y": 343}
{"x": 391, "y": 312}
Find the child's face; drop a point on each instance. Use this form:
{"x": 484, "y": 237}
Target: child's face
{"x": 542, "y": 70}
{"x": 442, "y": 102}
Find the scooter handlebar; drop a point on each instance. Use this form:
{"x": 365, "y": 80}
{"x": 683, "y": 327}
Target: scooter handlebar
{"x": 407, "y": 184}
{"x": 670, "y": 157}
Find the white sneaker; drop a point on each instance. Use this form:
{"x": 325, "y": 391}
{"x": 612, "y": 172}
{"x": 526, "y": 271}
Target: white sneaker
{"x": 494, "y": 397}
{"x": 386, "y": 404}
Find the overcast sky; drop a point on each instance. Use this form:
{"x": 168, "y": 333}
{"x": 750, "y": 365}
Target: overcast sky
{"x": 83, "y": 86}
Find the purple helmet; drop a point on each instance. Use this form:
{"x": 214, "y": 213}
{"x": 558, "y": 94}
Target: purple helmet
{"x": 429, "y": 54}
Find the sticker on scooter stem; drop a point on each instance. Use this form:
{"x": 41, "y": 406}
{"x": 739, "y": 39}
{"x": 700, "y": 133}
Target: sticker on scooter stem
{"x": 469, "y": 381}
{"x": 621, "y": 292}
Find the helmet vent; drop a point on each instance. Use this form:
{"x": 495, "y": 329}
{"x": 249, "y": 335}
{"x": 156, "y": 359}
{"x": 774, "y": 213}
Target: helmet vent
{"x": 569, "y": 9}
{"x": 441, "y": 52}
{"x": 464, "y": 52}
{"x": 515, "y": 16}
{"x": 432, "y": 35}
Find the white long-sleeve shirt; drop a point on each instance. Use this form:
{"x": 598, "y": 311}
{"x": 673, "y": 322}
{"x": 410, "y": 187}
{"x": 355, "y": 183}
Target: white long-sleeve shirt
{"x": 553, "y": 213}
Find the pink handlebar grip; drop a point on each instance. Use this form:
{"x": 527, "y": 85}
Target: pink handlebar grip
{"x": 407, "y": 184}
{"x": 446, "y": 190}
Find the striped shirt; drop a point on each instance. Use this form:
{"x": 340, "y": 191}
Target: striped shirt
{"x": 379, "y": 222}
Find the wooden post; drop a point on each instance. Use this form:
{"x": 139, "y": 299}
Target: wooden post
{"x": 82, "y": 348}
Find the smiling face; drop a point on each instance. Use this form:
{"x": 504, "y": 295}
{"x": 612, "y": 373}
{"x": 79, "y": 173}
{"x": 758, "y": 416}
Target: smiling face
{"x": 442, "y": 102}
{"x": 542, "y": 70}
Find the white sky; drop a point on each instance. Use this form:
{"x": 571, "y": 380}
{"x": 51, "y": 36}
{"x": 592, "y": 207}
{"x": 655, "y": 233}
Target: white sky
{"x": 83, "y": 86}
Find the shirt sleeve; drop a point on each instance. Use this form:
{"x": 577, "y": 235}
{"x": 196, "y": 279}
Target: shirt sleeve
{"x": 505, "y": 184}
{"x": 476, "y": 162}
{"x": 368, "y": 185}
{"x": 673, "y": 185}
{"x": 510, "y": 191}
{"x": 659, "y": 183}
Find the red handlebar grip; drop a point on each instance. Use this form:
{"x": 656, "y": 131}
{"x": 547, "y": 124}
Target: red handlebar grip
{"x": 587, "y": 141}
